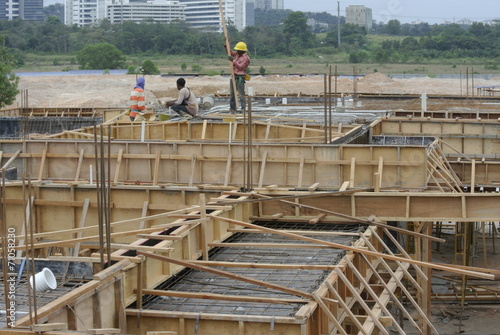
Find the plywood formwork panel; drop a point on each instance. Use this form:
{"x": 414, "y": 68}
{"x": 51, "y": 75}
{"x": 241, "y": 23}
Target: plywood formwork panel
{"x": 208, "y": 325}
{"x": 390, "y": 206}
{"x": 211, "y": 131}
{"x": 474, "y": 137}
{"x": 223, "y": 164}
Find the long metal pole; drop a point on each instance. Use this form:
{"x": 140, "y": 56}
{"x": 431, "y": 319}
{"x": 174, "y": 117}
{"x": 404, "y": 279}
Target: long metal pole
{"x": 338, "y": 24}
{"x": 228, "y": 50}
{"x": 108, "y": 200}
{"x": 99, "y": 207}
{"x": 330, "y": 105}
{"x": 5, "y": 259}
{"x": 325, "y": 101}
{"x": 250, "y": 135}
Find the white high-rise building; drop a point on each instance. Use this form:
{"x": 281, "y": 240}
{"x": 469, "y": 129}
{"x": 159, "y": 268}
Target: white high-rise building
{"x": 85, "y": 12}
{"x": 206, "y": 14}
{"x": 157, "y": 10}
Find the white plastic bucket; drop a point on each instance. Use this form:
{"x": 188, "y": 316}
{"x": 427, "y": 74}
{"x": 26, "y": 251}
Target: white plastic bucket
{"x": 44, "y": 280}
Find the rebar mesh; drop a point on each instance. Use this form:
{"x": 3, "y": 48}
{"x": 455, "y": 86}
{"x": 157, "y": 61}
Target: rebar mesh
{"x": 19, "y": 127}
{"x": 305, "y": 280}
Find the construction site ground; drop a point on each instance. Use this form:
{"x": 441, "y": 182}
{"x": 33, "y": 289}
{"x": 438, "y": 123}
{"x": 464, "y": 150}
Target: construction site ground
{"x": 113, "y": 90}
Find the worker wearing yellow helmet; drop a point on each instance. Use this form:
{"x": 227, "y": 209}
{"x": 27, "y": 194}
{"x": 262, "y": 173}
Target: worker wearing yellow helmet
{"x": 240, "y": 60}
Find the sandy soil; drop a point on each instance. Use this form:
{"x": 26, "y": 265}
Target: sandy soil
{"x": 113, "y": 90}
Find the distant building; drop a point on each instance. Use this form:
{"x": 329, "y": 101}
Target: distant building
{"x": 85, "y": 12}
{"x": 359, "y": 15}
{"x": 29, "y": 10}
{"x": 202, "y": 14}
{"x": 465, "y": 22}
{"x": 269, "y": 4}
{"x": 205, "y": 14}
{"x": 250, "y": 12}
{"x": 157, "y": 10}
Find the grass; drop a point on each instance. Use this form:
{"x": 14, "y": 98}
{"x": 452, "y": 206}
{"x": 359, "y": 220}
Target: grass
{"x": 319, "y": 63}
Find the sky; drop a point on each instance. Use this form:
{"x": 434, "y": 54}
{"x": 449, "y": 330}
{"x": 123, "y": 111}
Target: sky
{"x": 408, "y": 11}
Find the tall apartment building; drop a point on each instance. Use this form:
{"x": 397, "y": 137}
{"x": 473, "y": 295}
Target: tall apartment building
{"x": 360, "y": 15}
{"x": 206, "y": 14}
{"x": 159, "y": 11}
{"x": 203, "y": 14}
{"x": 30, "y": 10}
{"x": 269, "y": 4}
{"x": 85, "y": 12}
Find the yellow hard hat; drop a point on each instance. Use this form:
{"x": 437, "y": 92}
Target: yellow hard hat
{"x": 241, "y": 46}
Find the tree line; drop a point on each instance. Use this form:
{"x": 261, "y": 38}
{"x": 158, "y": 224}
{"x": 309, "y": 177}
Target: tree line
{"x": 276, "y": 33}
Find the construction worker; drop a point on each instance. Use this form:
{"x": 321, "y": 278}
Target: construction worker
{"x": 186, "y": 104}
{"x": 137, "y": 99}
{"x": 240, "y": 60}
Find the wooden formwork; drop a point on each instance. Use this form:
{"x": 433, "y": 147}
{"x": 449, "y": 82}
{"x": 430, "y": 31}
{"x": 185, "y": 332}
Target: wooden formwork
{"x": 232, "y": 130}
{"x": 106, "y": 113}
{"x": 194, "y": 163}
{"x": 471, "y": 146}
{"x": 465, "y": 136}
{"x": 369, "y": 271}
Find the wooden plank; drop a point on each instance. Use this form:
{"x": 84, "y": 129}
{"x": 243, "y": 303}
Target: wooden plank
{"x": 224, "y": 297}
{"x": 262, "y": 169}
{"x": 317, "y": 219}
{"x": 264, "y": 265}
{"x": 301, "y": 172}
{"x": 156, "y": 168}
{"x": 380, "y": 170}
{"x": 345, "y": 186}
{"x": 227, "y": 175}
{"x": 353, "y": 171}
{"x": 204, "y": 129}
{"x": 11, "y": 159}
{"x": 79, "y": 165}
{"x": 144, "y": 214}
{"x": 97, "y": 331}
{"x": 313, "y": 187}
{"x": 193, "y": 167}
{"x": 269, "y": 245}
{"x": 49, "y": 327}
{"x": 118, "y": 164}
{"x": 42, "y": 164}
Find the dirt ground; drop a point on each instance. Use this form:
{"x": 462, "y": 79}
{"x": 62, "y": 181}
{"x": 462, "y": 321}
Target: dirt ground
{"x": 113, "y": 90}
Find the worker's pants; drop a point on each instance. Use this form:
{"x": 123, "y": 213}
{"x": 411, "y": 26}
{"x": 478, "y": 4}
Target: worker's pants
{"x": 240, "y": 88}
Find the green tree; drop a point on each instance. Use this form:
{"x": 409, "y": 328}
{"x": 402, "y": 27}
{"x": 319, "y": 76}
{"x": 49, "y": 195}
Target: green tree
{"x": 297, "y": 33}
{"x": 149, "y": 67}
{"x": 8, "y": 80}
{"x": 393, "y": 27}
{"x": 100, "y": 56}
